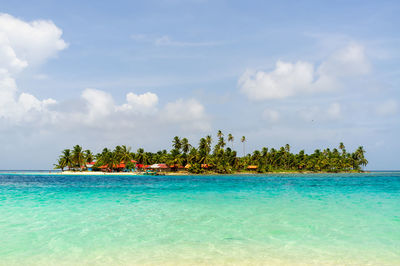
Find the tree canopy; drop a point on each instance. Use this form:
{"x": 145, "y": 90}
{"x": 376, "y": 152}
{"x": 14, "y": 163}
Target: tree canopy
{"x": 203, "y": 157}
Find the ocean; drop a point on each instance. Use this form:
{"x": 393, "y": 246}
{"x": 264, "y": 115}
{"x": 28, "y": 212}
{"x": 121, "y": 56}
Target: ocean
{"x": 292, "y": 219}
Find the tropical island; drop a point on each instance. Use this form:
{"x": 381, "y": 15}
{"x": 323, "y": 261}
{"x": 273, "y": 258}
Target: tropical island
{"x": 206, "y": 159}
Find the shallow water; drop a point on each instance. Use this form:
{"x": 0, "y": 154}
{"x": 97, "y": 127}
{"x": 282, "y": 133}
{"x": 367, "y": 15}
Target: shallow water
{"x": 320, "y": 219}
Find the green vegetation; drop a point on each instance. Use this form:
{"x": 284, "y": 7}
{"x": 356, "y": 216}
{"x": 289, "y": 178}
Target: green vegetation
{"x": 218, "y": 159}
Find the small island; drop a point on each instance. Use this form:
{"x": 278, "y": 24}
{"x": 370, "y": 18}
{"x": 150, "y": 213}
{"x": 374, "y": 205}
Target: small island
{"x": 185, "y": 158}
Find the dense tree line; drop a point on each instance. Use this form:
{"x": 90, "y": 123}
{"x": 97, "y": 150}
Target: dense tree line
{"x": 220, "y": 158}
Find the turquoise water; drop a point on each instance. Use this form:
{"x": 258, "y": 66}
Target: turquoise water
{"x": 320, "y": 219}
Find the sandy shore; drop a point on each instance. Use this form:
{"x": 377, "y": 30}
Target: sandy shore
{"x": 84, "y": 173}
{"x": 181, "y": 173}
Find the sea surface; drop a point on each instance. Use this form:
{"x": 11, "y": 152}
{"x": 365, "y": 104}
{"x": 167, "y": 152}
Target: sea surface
{"x": 296, "y": 219}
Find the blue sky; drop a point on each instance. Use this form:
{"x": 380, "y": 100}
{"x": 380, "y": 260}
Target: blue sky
{"x": 307, "y": 73}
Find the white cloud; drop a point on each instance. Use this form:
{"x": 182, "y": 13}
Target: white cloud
{"x": 24, "y": 44}
{"x": 99, "y": 104}
{"x": 141, "y": 103}
{"x": 22, "y": 107}
{"x": 291, "y": 79}
{"x": 28, "y": 102}
{"x": 286, "y": 80}
{"x": 389, "y": 107}
{"x": 140, "y": 110}
{"x": 8, "y": 56}
{"x": 8, "y": 87}
{"x": 190, "y": 114}
{"x": 349, "y": 61}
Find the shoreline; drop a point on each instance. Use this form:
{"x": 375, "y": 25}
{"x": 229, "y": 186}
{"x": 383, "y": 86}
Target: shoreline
{"x": 77, "y": 173}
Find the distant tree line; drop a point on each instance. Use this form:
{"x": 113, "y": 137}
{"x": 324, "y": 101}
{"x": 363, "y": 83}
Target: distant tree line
{"x": 219, "y": 158}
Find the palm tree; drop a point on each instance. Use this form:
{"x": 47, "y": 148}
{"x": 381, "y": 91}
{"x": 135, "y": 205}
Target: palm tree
{"x": 342, "y": 148}
{"x": 264, "y": 155}
{"x": 112, "y": 160}
{"x": 221, "y": 160}
{"x": 231, "y": 139}
{"x": 243, "y": 140}
{"x": 89, "y": 156}
{"x": 208, "y": 144}
{"x": 203, "y": 145}
{"x": 221, "y": 142}
{"x": 60, "y": 165}
{"x": 176, "y": 143}
{"x": 192, "y": 156}
{"x": 118, "y": 150}
{"x": 359, "y": 155}
{"x": 287, "y": 154}
{"x": 301, "y": 160}
{"x": 264, "y": 152}
{"x": 176, "y": 157}
{"x": 203, "y": 150}
{"x": 78, "y": 156}
{"x": 140, "y": 156}
{"x": 66, "y": 158}
{"x": 287, "y": 148}
{"x": 125, "y": 154}
{"x": 185, "y": 145}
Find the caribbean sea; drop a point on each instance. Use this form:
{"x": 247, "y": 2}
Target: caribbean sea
{"x": 294, "y": 219}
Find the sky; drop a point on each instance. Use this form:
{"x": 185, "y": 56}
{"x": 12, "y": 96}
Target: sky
{"x": 99, "y": 73}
